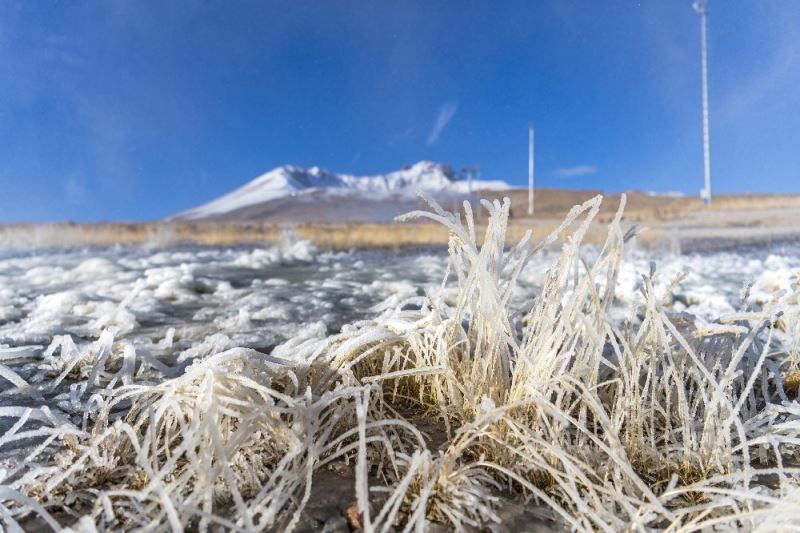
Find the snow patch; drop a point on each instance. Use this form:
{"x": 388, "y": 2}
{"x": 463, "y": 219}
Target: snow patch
{"x": 289, "y": 180}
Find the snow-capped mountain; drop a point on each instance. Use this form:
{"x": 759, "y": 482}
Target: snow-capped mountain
{"x": 286, "y": 181}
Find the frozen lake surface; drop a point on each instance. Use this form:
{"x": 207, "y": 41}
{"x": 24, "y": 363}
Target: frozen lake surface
{"x": 253, "y": 297}
{"x": 259, "y": 297}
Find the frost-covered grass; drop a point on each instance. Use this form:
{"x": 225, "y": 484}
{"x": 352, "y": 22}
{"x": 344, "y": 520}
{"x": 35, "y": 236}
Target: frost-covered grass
{"x": 658, "y": 420}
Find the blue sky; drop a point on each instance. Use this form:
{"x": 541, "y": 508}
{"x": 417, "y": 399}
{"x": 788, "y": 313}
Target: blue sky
{"x": 123, "y": 110}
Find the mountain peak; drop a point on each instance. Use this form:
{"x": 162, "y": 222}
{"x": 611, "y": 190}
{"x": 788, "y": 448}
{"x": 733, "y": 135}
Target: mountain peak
{"x": 290, "y": 180}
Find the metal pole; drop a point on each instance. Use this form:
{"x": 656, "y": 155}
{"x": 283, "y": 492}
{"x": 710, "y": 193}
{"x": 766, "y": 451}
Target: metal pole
{"x": 702, "y": 9}
{"x": 530, "y": 169}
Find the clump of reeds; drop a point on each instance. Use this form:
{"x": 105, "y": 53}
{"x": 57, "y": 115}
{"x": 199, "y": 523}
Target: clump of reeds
{"x": 659, "y": 422}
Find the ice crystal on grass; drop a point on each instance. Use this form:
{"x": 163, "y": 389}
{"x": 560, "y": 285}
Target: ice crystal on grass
{"x": 660, "y": 421}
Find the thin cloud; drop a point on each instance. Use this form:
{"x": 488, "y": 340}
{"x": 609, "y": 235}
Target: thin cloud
{"x": 575, "y": 172}
{"x": 446, "y": 113}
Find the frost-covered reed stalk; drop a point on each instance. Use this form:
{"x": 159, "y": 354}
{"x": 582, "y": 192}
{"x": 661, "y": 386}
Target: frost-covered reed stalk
{"x": 659, "y": 421}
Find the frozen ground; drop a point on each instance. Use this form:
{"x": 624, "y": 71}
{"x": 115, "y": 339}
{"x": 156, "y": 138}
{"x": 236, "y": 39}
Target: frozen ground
{"x": 185, "y": 300}
{"x": 166, "y": 307}
{"x": 191, "y": 301}
{"x": 249, "y": 297}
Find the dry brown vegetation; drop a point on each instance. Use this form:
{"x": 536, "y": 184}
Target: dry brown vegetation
{"x": 665, "y": 218}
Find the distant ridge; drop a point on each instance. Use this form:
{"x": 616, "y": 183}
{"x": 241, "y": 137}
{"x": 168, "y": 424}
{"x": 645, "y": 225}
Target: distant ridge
{"x": 437, "y": 179}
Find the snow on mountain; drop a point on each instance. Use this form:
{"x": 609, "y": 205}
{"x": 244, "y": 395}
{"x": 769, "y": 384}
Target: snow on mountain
{"x": 289, "y": 180}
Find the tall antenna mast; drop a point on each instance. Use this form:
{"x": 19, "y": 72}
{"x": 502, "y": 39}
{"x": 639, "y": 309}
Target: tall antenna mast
{"x": 530, "y": 169}
{"x": 701, "y": 7}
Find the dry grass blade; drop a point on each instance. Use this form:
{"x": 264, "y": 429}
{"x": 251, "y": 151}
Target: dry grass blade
{"x": 444, "y": 412}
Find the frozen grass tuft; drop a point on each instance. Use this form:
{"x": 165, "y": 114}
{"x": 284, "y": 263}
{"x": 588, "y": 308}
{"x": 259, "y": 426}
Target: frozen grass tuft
{"x": 444, "y": 406}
